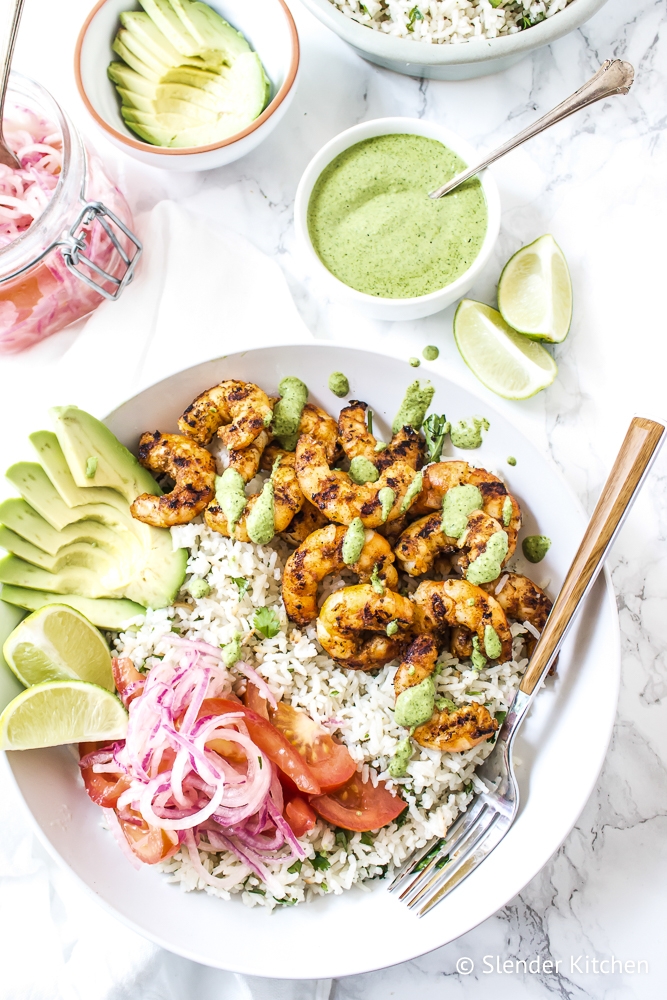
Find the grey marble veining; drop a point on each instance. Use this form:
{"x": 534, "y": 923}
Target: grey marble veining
{"x": 598, "y": 182}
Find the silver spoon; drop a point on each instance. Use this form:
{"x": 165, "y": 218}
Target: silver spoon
{"x": 613, "y": 77}
{"x": 7, "y": 157}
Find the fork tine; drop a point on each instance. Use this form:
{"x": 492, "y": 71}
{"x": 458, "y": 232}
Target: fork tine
{"x": 467, "y": 845}
{"x": 453, "y": 877}
{"x": 417, "y": 866}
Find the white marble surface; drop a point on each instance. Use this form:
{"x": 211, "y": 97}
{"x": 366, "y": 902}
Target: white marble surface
{"x": 597, "y": 183}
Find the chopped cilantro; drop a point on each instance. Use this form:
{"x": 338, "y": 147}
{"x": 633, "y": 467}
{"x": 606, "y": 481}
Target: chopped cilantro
{"x": 467, "y": 788}
{"x": 500, "y": 718}
{"x": 242, "y": 585}
{"x": 367, "y": 839}
{"x": 259, "y": 759}
{"x": 334, "y": 694}
{"x": 369, "y": 419}
{"x": 414, "y": 15}
{"x": 435, "y": 430}
{"x": 429, "y": 856}
{"x": 320, "y": 862}
{"x": 287, "y": 901}
{"x": 401, "y": 818}
{"x": 295, "y": 868}
{"x": 441, "y": 862}
{"x": 341, "y": 839}
{"x": 324, "y": 887}
{"x": 267, "y": 622}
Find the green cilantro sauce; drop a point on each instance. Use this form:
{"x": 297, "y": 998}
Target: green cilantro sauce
{"x": 467, "y": 433}
{"x": 198, "y": 588}
{"x": 430, "y": 352}
{"x": 392, "y": 628}
{"x": 261, "y": 521}
{"x": 414, "y": 362}
{"x": 91, "y": 467}
{"x": 492, "y": 643}
{"x": 387, "y": 498}
{"x": 457, "y": 504}
{"x": 287, "y": 411}
{"x": 398, "y": 764}
{"x": 232, "y": 651}
{"x": 374, "y": 227}
{"x": 363, "y": 471}
{"x": 511, "y": 460}
{"x": 535, "y": 547}
{"x": 413, "y": 409}
{"x": 413, "y": 490}
{"x": 507, "y": 511}
{"x": 376, "y": 583}
{"x": 353, "y": 542}
{"x": 415, "y": 705}
{"x": 478, "y": 659}
{"x": 339, "y": 384}
{"x": 486, "y": 567}
{"x": 230, "y": 494}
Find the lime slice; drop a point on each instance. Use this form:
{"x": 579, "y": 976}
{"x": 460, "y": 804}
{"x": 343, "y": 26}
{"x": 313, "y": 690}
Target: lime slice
{"x": 57, "y": 643}
{"x": 48, "y": 715}
{"x": 535, "y": 291}
{"x": 506, "y": 362}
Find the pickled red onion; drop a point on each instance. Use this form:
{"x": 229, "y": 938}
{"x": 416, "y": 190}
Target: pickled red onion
{"x": 179, "y": 783}
{"x": 25, "y": 192}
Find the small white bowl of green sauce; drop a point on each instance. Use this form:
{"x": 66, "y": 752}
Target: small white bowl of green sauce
{"x": 371, "y": 234}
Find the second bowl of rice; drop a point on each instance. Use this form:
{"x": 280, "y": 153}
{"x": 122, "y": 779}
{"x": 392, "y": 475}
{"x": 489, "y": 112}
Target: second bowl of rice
{"x": 450, "y": 39}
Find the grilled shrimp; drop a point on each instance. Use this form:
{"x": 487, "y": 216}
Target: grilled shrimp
{"x": 349, "y": 615}
{"x": 440, "y": 605}
{"x": 238, "y": 411}
{"x": 424, "y": 540}
{"x": 338, "y": 497}
{"x": 190, "y": 466}
{"x": 454, "y": 731}
{"x": 322, "y": 554}
{"x": 520, "y": 599}
{"x": 440, "y": 477}
{"x": 308, "y": 520}
{"x": 288, "y": 500}
{"x": 357, "y": 441}
{"x": 246, "y": 461}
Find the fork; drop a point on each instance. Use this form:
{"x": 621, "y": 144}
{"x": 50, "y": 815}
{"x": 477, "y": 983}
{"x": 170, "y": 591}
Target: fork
{"x": 424, "y": 881}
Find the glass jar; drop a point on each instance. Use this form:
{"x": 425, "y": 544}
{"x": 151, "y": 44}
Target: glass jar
{"x": 78, "y": 252}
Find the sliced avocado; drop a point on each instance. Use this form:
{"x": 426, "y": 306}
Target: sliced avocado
{"x": 154, "y": 41}
{"x": 153, "y": 134}
{"x": 123, "y": 76}
{"x": 209, "y": 29}
{"x": 196, "y": 78}
{"x": 35, "y": 486}
{"x": 53, "y": 461}
{"x": 165, "y": 18}
{"x": 137, "y": 101}
{"x": 76, "y": 554}
{"x": 103, "y": 612}
{"x": 173, "y": 122}
{"x": 168, "y": 92}
{"x": 136, "y": 64}
{"x": 82, "y": 437}
{"x": 146, "y": 55}
{"x": 248, "y": 87}
{"x": 70, "y": 580}
{"x": 172, "y": 114}
{"x": 20, "y": 518}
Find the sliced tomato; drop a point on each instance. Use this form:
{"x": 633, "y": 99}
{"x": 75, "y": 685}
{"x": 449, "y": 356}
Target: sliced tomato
{"x": 329, "y": 761}
{"x": 300, "y": 816}
{"x": 276, "y": 747}
{"x": 256, "y": 701}
{"x": 149, "y": 843}
{"x": 129, "y": 682}
{"x": 358, "y": 806}
{"x": 104, "y": 789}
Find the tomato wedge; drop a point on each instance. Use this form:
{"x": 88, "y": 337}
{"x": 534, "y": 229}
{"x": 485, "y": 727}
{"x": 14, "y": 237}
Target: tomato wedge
{"x": 149, "y": 843}
{"x": 276, "y": 747}
{"x": 359, "y": 806}
{"x": 300, "y": 816}
{"x": 129, "y": 682}
{"x": 329, "y": 761}
{"x": 256, "y": 701}
{"x": 103, "y": 789}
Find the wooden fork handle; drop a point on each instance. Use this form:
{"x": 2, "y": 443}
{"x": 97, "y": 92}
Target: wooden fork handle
{"x": 640, "y": 447}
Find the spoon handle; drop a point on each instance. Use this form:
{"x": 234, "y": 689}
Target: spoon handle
{"x": 6, "y": 156}
{"x": 613, "y": 77}
{"x": 638, "y": 451}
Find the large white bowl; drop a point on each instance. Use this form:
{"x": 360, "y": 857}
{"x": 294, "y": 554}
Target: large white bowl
{"x": 269, "y": 28}
{"x": 478, "y": 57}
{"x": 561, "y": 747}
{"x": 372, "y": 305}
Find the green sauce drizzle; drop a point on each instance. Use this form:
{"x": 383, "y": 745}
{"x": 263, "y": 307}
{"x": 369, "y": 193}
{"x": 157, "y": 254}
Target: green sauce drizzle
{"x": 230, "y": 494}
{"x": 287, "y": 411}
{"x": 413, "y": 490}
{"x": 535, "y": 547}
{"x": 507, "y": 511}
{"x": 198, "y": 588}
{"x": 467, "y": 433}
{"x": 353, "y": 542}
{"x": 339, "y": 384}
{"x": 387, "y": 499}
{"x": 261, "y": 521}
{"x": 457, "y": 504}
{"x": 430, "y": 352}
{"x": 487, "y": 566}
{"x": 363, "y": 471}
{"x": 398, "y": 765}
{"x": 413, "y": 409}
{"x": 478, "y": 658}
{"x": 415, "y": 705}
{"x": 376, "y": 583}
{"x": 511, "y": 460}
{"x": 492, "y": 643}
{"x": 231, "y": 653}
{"x": 392, "y": 628}
{"x": 414, "y": 362}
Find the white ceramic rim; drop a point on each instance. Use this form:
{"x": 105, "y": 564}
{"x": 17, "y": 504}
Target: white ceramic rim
{"x": 288, "y": 84}
{"x": 390, "y": 126}
{"x": 612, "y": 678}
{"x": 476, "y": 50}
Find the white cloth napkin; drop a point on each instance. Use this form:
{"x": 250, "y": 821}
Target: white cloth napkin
{"x": 197, "y": 295}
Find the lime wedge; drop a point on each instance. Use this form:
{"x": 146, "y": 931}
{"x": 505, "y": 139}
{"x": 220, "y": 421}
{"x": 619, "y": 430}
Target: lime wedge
{"x": 535, "y": 291}
{"x": 57, "y": 643}
{"x": 506, "y": 362}
{"x": 48, "y": 715}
